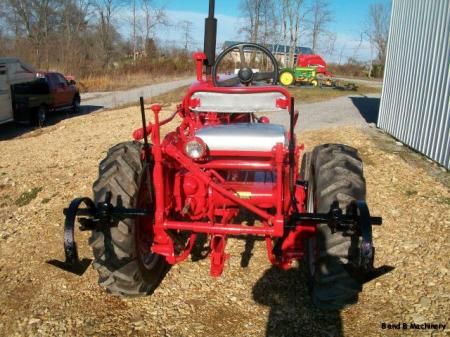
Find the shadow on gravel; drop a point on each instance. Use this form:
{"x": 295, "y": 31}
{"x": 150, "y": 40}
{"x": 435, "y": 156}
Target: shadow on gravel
{"x": 368, "y": 107}
{"x": 291, "y": 310}
{"x": 13, "y": 130}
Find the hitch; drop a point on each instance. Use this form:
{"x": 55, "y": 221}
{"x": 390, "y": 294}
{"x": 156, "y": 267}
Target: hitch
{"x": 91, "y": 218}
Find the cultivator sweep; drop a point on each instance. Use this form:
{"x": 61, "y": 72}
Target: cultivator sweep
{"x": 226, "y": 170}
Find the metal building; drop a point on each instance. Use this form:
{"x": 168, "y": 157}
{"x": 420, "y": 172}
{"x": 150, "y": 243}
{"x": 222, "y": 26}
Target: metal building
{"x": 415, "y": 101}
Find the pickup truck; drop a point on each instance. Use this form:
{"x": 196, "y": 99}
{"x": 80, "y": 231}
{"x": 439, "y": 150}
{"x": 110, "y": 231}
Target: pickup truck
{"x": 50, "y": 91}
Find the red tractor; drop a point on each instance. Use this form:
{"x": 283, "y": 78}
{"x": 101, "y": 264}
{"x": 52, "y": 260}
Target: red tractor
{"x": 225, "y": 170}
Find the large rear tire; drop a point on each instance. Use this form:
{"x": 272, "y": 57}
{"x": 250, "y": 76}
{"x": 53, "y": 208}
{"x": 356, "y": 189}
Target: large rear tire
{"x": 122, "y": 254}
{"x": 336, "y": 173}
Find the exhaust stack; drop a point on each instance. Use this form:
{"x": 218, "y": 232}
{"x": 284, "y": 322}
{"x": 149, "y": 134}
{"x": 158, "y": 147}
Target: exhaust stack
{"x": 210, "y": 38}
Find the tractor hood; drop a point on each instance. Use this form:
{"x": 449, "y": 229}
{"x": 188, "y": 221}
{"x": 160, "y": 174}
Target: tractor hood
{"x": 242, "y": 137}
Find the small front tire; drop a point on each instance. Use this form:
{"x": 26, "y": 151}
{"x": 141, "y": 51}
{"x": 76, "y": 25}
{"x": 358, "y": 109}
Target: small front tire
{"x": 287, "y": 78}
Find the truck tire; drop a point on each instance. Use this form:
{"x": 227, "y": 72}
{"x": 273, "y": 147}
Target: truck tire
{"x": 336, "y": 173}
{"x": 122, "y": 257}
{"x": 39, "y": 118}
{"x": 76, "y": 104}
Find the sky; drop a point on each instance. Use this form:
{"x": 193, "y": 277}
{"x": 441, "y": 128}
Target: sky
{"x": 349, "y": 21}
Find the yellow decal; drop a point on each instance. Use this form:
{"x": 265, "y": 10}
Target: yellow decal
{"x": 244, "y": 194}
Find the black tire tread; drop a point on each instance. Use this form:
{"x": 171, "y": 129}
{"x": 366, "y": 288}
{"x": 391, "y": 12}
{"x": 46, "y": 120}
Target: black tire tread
{"x": 338, "y": 175}
{"x": 115, "y": 254}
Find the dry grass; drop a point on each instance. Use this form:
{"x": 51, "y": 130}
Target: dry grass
{"x": 174, "y": 96}
{"x": 301, "y": 94}
{"x": 122, "y": 81}
{"x": 311, "y": 94}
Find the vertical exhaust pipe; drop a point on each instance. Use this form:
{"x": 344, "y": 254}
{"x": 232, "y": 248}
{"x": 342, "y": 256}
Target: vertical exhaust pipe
{"x": 210, "y": 38}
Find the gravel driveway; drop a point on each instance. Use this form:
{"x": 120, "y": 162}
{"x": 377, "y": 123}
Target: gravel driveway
{"x": 41, "y": 171}
{"x": 352, "y": 110}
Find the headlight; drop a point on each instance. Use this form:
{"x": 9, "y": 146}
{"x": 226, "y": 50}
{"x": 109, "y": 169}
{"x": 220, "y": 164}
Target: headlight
{"x": 195, "y": 148}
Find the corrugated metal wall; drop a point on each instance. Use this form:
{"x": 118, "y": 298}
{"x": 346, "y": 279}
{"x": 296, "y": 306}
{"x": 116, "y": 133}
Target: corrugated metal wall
{"x": 415, "y": 102}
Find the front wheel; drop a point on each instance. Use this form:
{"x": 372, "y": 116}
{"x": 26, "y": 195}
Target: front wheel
{"x": 122, "y": 255}
{"x": 287, "y": 78}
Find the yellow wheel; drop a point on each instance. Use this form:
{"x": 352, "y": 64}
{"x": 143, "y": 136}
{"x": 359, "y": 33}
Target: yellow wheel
{"x": 286, "y": 78}
{"x": 314, "y": 83}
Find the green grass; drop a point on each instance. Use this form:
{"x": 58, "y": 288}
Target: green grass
{"x": 26, "y": 197}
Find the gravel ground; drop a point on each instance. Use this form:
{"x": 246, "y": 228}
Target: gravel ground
{"x": 352, "y": 110}
{"x": 41, "y": 171}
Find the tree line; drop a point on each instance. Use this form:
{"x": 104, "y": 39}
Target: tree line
{"x": 79, "y": 36}
{"x": 285, "y": 22}
{"x": 82, "y": 37}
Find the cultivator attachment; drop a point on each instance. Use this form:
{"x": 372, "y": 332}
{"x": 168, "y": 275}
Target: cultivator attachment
{"x": 356, "y": 221}
{"x": 91, "y": 217}
{"x": 103, "y": 215}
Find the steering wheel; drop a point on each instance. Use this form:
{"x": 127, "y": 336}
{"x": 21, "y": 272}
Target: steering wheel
{"x": 245, "y": 75}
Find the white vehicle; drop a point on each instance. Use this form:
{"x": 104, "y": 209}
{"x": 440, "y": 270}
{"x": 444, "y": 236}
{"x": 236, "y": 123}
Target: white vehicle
{"x": 12, "y": 71}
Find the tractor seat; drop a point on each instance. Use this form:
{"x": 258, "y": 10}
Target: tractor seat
{"x": 242, "y": 136}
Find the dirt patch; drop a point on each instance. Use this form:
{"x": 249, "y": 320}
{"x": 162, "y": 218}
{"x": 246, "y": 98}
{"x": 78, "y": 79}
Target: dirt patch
{"x": 38, "y": 299}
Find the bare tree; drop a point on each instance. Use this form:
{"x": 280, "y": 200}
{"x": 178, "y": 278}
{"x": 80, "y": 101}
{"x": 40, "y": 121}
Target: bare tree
{"x": 153, "y": 16}
{"x": 261, "y": 22}
{"x": 186, "y": 29}
{"x": 291, "y": 22}
{"x": 133, "y": 26}
{"x": 36, "y": 19}
{"x": 252, "y": 12}
{"x": 289, "y": 15}
{"x": 321, "y": 16}
{"x": 377, "y": 29}
{"x": 72, "y": 34}
{"x": 341, "y": 53}
{"x": 106, "y": 10}
{"x": 328, "y": 43}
